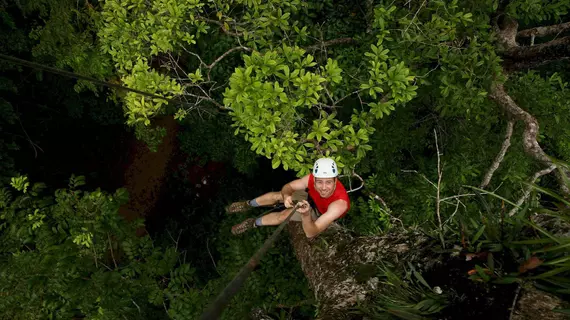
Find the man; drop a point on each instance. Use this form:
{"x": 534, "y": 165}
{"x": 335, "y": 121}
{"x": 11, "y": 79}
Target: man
{"x": 324, "y": 189}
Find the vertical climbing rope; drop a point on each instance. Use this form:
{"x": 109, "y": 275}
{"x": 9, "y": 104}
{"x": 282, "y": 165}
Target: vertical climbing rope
{"x": 214, "y": 311}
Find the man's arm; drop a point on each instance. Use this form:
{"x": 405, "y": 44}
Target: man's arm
{"x": 334, "y": 211}
{"x": 295, "y": 185}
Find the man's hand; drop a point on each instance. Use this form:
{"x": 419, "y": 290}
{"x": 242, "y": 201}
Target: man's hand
{"x": 304, "y": 207}
{"x": 288, "y": 201}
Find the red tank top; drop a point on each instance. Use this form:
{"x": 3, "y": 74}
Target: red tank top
{"x": 321, "y": 203}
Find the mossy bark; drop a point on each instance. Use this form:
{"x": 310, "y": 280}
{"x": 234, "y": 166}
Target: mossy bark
{"x": 341, "y": 267}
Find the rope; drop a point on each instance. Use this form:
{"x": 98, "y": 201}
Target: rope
{"x": 80, "y": 77}
{"x": 214, "y": 311}
{"x": 268, "y": 211}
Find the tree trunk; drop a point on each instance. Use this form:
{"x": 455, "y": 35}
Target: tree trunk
{"x": 534, "y": 304}
{"x": 341, "y": 268}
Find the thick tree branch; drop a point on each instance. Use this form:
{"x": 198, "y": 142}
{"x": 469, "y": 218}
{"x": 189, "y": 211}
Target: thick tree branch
{"x": 500, "y": 156}
{"x": 530, "y": 133}
{"x": 523, "y": 57}
{"x": 544, "y": 31}
{"x": 506, "y": 30}
{"x": 330, "y": 43}
{"x": 517, "y": 58}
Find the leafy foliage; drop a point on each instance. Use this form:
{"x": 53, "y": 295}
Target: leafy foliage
{"x": 410, "y": 296}
{"x": 412, "y": 70}
{"x": 72, "y": 255}
{"x": 270, "y": 113}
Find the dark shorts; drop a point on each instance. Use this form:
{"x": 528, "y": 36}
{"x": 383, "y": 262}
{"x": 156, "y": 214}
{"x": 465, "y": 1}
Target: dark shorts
{"x": 303, "y": 195}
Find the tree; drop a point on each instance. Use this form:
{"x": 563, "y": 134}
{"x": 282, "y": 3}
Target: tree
{"x": 301, "y": 79}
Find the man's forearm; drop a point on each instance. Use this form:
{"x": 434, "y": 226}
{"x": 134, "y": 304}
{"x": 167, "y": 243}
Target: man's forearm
{"x": 309, "y": 226}
{"x": 287, "y": 190}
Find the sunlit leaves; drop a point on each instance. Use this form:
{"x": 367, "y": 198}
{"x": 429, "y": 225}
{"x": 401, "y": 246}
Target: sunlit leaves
{"x": 20, "y": 183}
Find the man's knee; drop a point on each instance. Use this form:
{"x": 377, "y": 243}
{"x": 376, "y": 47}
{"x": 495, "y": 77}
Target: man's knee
{"x": 284, "y": 214}
{"x": 277, "y": 196}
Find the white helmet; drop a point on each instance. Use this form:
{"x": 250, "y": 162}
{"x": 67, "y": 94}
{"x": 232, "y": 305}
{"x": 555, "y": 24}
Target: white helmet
{"x": 325, "y": 168}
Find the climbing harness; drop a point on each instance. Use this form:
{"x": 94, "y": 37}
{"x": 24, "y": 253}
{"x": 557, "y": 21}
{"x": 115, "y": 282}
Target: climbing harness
{"x": 214, "y": 311}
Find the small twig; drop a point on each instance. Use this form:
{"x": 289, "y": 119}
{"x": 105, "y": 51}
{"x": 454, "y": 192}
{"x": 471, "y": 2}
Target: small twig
{"x": 214, "y": 262}
{"x": 386, "y": 208}
{"x": 361, "y": 182}
{"x": 33, "y": 144}
{"x": 515, "y": 302}
{"x": 346, "y": 96}
{"x": 330, "y": 43}
{"x": 208, "y": 99}
{"x": 95, "y": 258}
{"x": 439, "y": 175}
{"x": 458, "y": 196}
{"x": 415, "y": 15}
{"x": 136, "y": 305}
{"x": 422, "y": 175}
{"x": 500, "y": 156}
{"x": 211, "y": 65}
{"x": 106, "y": 266}
{"x": 526, "y": 192}
{"x": 454, "y": 212}
{"x": 111, "y": 247}
{"x": 226, "y": 31}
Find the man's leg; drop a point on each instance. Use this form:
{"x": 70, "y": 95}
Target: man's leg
{"x": 275, "y": 218}
{"x": 268, "y": 199}
{"x": 271, "y": 219}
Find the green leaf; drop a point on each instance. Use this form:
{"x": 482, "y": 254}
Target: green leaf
{"x": 533, "y": 241}
{"x": 557, "y": 261}
{"x": 478, "y": 234}
{"x": 275, "y": 163}
{"x": 551, "y": 273}
{"x": 563, "y": 246}
{"x": 507, "y": 280}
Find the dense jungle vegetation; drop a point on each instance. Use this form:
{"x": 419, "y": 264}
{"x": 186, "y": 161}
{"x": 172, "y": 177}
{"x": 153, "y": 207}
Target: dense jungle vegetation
{"x": 128, "y": 126}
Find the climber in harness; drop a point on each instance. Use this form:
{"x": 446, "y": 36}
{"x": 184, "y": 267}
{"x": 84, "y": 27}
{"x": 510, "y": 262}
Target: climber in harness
{"x": 321, "y": 187}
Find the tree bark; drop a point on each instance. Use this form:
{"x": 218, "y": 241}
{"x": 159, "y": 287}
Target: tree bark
{"x": 341, "y": 267}
{"x": 530, "y": 133}
{"x": 500, "y": 156}
{"x": 534, "y": 304}
{"x": 519, "y": 58}
{"x": 544, "y": 31}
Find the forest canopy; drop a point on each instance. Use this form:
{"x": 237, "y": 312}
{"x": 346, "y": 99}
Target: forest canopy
{"x": 453, "y": 115}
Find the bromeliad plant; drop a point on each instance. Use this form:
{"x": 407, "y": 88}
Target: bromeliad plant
{"x": 530, "y": 245}
{"x": 408, "y": 296}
